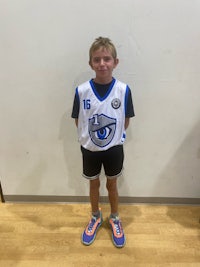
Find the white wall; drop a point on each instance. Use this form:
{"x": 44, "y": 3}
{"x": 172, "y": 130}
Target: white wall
{"x": 44, "y": 56}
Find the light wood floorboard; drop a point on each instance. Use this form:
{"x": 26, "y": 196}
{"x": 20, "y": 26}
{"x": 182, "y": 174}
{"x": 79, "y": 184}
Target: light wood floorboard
{"x": 48, "y": 235}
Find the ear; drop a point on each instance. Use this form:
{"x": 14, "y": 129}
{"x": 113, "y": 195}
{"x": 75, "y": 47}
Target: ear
{"x": 116, "y": 62}
{"x": 90, "y": 65}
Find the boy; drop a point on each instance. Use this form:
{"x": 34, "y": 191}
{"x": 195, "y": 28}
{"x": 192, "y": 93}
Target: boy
{"x": 102, "y": 108}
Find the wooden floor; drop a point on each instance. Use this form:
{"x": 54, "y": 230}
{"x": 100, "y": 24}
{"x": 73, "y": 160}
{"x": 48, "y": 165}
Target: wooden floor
{"x": 43, "y": 235}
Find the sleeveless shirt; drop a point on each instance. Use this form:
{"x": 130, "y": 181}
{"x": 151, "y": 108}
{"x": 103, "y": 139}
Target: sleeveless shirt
{"x": 101, "y": 119}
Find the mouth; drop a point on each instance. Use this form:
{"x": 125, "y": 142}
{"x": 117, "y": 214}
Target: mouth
{"x": 103, "y": 70}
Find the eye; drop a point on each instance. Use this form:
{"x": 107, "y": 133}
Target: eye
{"x": 103, "y": 133}
{"x": 106, "y": 59}
{"x": 96, "y": 60}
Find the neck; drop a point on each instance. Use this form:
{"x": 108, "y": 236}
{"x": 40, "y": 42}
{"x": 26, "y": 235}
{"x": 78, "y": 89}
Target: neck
{"x": 103, "y": 81}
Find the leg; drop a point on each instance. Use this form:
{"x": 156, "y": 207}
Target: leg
{"x": 90, "y": 231}
{"x": 91, "y": 171}
{"x": 112, "y": 194}
{"x": 118, "y": 236}
{"x": 113, "y": 164}
{"x": 94, "y": 195}
{"x": 113, "y": 167}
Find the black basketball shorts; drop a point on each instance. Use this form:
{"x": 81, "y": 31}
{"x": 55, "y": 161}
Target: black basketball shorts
{"x": 111, "y": 160}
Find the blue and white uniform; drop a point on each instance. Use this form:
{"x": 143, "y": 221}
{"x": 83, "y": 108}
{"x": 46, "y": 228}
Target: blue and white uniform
{"x": 101, "y": 119}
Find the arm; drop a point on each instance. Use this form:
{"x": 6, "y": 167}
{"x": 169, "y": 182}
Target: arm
{"x": 75, "y": 109}
{"x": 129, "y": 109}
{"x": 126, "y": 124}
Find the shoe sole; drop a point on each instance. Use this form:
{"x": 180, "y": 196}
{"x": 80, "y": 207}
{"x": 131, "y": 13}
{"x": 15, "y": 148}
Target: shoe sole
{"x": 119, "y": 246}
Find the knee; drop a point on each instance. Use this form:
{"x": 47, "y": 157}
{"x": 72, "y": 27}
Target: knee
{"x": 95, "y": 184}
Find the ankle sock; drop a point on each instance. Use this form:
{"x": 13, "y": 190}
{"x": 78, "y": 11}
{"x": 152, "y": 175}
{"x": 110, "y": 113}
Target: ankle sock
{"x": 114, "y": 215}
{"x": 96, "y": 214}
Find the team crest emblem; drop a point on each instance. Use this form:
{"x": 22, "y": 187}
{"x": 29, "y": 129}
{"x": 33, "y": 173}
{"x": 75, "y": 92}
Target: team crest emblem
{"x": 101, "y": 129}
{"x": 116, "y": 103}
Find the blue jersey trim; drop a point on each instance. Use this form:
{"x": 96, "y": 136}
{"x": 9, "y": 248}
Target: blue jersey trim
{"x": 108, "y": 92}
{"x": 77, "y": 94}
{"x": 126, "y": 99}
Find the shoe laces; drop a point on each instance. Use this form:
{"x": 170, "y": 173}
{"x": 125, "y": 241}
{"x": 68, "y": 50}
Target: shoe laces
{"x": 117, "y": 226}
{"x": 91, "y": 224}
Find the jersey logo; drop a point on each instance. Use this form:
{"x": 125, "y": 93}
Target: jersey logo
{"x": 101, "y": 129}
{"x": 116, "y": 103}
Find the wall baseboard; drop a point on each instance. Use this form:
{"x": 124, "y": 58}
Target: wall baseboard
{"x": 103, "y": 199}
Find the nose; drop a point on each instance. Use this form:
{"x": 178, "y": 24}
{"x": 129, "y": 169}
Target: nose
{"x": 102, "y": 61}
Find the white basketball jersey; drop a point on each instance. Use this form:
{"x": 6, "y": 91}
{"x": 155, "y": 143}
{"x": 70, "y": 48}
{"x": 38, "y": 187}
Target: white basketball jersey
{"x": 101, "y": 120}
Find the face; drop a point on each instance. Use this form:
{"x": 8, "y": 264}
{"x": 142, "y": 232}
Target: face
{"x": 103, "y": 63}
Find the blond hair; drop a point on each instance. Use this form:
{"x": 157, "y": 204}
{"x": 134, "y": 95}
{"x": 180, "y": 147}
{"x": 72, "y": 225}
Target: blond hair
{"x": 102, "y": 42}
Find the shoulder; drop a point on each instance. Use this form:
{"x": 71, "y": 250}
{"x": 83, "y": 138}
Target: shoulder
{"x": 84, "y": 85}
{"x": 122, "y": 86}
{"x": 120, "y": 83}
{"x": 83, "y": 88}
